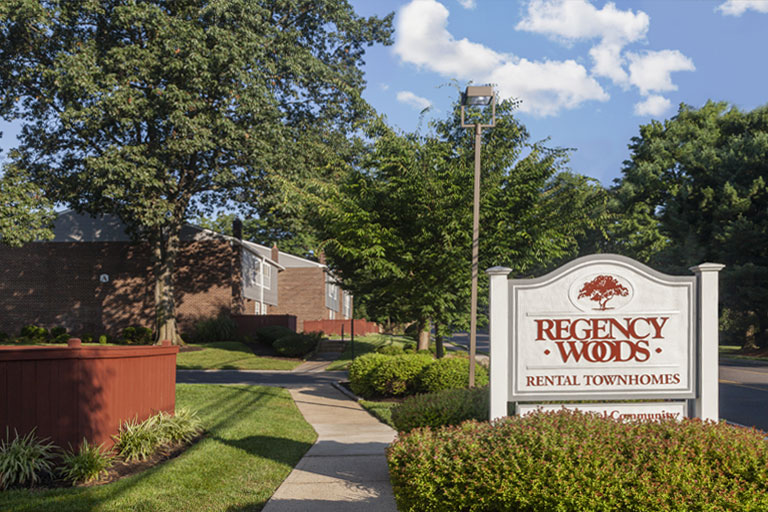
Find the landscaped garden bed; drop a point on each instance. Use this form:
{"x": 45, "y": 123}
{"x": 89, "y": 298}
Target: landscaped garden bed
{"x": 254, "y": 437}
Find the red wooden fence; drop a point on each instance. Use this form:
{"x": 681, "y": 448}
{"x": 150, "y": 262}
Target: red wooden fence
{"x": 362, "y": 327}
{"x": 246, "y": 324}
{"x": 73, "y": 392}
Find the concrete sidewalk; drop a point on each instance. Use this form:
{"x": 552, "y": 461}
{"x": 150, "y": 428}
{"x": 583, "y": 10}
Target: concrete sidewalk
{"x": 346, "y": 469}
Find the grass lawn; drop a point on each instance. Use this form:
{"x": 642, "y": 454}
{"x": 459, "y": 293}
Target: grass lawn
{"x": 230, "y": 355}
{"x": 255, "y": 437}
{"x": 364, "y": 345}
{"x": 381, "y": 410}
{"x": 734, "y": 352}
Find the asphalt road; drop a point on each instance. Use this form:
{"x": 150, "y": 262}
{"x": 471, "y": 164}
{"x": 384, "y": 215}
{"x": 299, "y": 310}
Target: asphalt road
{"x": 744, "y": 392}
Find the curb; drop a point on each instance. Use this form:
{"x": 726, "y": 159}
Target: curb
{"x": 346, "y": 391}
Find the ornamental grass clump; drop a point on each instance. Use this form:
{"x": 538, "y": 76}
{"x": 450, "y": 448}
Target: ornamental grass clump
{"x": 568, "y": 460}
{"x": 86, "y": 464}
{"x": 25, "y": 460}
{"x": 140, "y": 440}
{"x": 449, "y": 407}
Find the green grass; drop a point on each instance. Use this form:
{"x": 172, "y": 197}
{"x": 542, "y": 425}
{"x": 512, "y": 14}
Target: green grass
{"x": 230, "y": 355}
{"x": 381, "y": 410}
{"x": 732, "y": 351}
{"x": 255, "y": 437}
{"x": 364, "y": 345}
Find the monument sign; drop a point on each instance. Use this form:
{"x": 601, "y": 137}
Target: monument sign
{"x": 605, "y": 327}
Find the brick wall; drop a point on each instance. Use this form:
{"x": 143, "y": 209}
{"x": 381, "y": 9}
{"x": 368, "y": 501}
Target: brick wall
{"x": 57, "y": 284}
{"x": 301, "y": 293}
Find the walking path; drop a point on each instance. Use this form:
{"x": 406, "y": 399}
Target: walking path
{"x": 346, "y": 468}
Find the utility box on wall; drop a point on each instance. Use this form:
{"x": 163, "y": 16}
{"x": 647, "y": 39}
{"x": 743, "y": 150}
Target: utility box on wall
{"x": 77, "y": 392}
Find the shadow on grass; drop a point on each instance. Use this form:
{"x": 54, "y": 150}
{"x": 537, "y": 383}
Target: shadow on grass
{"x": 278, "y": 449}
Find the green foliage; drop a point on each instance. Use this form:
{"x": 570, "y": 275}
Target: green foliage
{"x": 61, "y": 338}
{"x": 450, "y": 373}
{"x": 25, "y": 460}
{"x": 449, "y": 407}
{"x": 58, "y": 331}
{"x": 397, "y": 375}
{"x": 391, "y": 350}
{"x": 572, "y": 461}
{"x": 86, "y": 464}
{"x": 411, "y": 261}
{"x": 361, "y": 371}
{"x": 219, "y": 328}
{"x": 34, "y": 333}
{"x": 25, "y": 214}
{"x": 103, "y": 339}
{"x": 137, "y": 335}
{"x": 296, "y": 345}
{"x": 694, "y": 190}
{"x": 271, "y": 333}
{"x": 139, "y": 440}
{"x": 168, "y": 111}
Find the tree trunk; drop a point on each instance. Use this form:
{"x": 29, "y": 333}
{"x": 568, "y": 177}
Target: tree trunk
{"x": 423, "y": 335}
{"x": 165, "y": 249}
{"x": 439, "y": 348}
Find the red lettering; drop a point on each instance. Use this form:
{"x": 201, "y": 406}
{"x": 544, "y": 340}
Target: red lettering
{"x": 541, "y": 329}
{"x": 529, "y": 381}
{"x": 642, "y": 351}
{"x": 634, "y": 334}
{"x": 572, "y": 350}
{"x": 562, "y": 328}
{"x": 658, "y": 327}
{"x": 584, "y": 333}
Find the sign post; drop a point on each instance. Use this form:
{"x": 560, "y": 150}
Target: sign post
{"x": 606, "y": 328}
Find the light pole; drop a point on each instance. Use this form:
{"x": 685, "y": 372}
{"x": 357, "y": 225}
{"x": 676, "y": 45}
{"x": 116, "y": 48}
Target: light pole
{"x": 476, "y": 96}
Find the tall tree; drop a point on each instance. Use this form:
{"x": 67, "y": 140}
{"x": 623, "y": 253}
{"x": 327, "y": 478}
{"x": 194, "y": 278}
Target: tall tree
{"x": 161, "y": 111}
{"x": 399, "y": 229}
{"x": 694, "y": 190}
{"x": 25, "y": 214}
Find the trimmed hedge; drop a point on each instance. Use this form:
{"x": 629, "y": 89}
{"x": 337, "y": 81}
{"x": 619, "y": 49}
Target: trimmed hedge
{"x": 296, "y": 345}
{"x": 361, "y": 371}
{"x": 271, "y": 333}
{"x": 450, "y": 373}
{"x": 448, "y": 407}
{"x": 568, "y": 460}
{"x": 398, "y": 375}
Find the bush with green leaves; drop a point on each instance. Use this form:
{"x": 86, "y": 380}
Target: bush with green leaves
{"x": 391, "y": 350}
{"x": 568, "y": 460}
{"x": 138, "y": 335}
{"x": 25, "y": 460}
{"x": 271, "y": 333}
{"x": 398, "y": 375}
{"x": 295, "y": 345}
{"x": 58, "y": 331}
{"x": 209, "y": 330}
{"x": 85, "y": 464}
{"x": 103, "y": 339}
{"x": 450, "y": 373}
{"x": 34, "y": 333}
{"x": 448, "y": 407}
{"x": 361, "y": 371}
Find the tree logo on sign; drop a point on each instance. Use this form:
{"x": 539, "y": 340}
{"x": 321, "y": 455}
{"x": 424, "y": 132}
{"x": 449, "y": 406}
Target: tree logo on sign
{"x": 602, "y": 289}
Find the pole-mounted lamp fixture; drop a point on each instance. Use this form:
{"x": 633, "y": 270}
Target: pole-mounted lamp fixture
{"x": 476, "y": 96}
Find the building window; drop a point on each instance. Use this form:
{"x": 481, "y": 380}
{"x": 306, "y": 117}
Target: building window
{"x": 332, "y": 314}
{"x": 267, "y": 275}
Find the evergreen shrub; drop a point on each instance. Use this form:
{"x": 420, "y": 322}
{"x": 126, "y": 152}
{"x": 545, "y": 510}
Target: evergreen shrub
{"x": 568, "y": 460}
{"x": 450, "y": 373}
{"x": 361, "y": 371}
{"x": 447, "y": 407}
{"x": 218, "y": 328}
{"x": 397, "y": 375}
{"x": 296, "y": 345}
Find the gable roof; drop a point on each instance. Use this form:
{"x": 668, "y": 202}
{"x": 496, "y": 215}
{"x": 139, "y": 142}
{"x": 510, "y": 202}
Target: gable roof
{"x": 285, "y": 259}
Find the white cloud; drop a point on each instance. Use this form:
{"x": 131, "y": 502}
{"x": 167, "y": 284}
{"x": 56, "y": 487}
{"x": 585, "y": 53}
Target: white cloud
{"x": 577, "y": 20}
{"x": 384, "y": 87}
{"x": 739, "y": 7}
{"x": 411, "y": 99}
{"x": 652, "y": 106}
{"x": 468, "y": 4}
{"x": 545, "y": 87}
{"x": 651, "y": 71}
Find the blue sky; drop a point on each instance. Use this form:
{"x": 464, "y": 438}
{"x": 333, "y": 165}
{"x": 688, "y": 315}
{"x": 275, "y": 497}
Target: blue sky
{"x": 588, "y": 73}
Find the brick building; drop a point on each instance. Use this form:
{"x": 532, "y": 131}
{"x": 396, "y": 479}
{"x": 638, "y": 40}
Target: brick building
{"x": 306, "y": 288}
{"x": 92, "y": 279}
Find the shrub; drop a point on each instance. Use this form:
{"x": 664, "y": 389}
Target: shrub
{"x": 361, "y": 371}
{"x": 271, "y": 333}
{"x": 295, "y": 345}
{"x": 138, "y": 335}
{"x": 61, "y": 338}
{"x": 89, "y": 338}
{"x": 58, "y": 331}
{"x": 568, "y": 460}
{"x": 397, "y": 375}
{"x": 450, "y": 373}
{"x": 24, "y": 461}
{"x": 86, "y": 464}
{"x": 220, "y": 328}
{"x": 34, "y": 333}
{"x": 449, "y": 407}
{"x": 103, "y": 339}
{"x": 391, "y": 350}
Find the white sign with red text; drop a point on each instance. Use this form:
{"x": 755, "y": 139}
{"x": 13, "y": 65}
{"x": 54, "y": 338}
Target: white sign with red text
{"x": 645, "y": 411}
